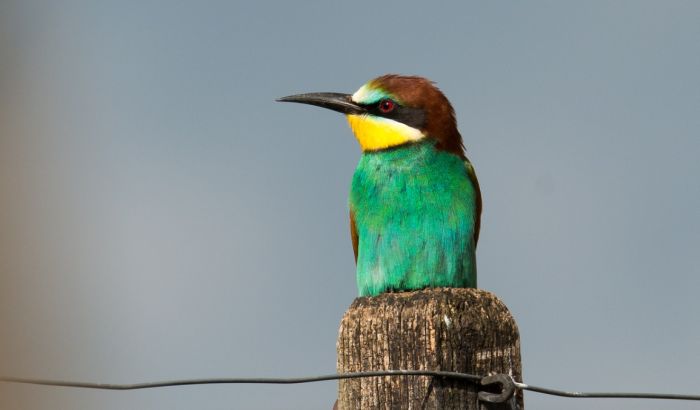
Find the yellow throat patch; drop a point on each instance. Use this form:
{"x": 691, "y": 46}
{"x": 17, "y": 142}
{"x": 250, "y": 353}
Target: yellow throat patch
{"x": 375, "y": 133}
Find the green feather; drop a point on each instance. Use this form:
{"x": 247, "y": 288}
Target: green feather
{"x": 415, "y": 211}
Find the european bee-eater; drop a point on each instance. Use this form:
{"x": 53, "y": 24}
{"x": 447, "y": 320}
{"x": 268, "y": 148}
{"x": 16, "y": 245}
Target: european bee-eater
{"x": 415, "y": 203}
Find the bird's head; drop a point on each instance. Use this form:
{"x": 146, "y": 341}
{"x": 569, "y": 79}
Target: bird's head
{"x": 394, "y": 110}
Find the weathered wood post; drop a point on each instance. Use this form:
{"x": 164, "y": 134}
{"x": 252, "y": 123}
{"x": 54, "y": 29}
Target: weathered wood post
{"x": 457, "y": 330}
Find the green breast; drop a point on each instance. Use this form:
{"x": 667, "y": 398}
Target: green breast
{"x": 414, "y": 209}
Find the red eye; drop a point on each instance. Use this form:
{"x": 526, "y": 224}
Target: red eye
{"x": 386, "y": 106}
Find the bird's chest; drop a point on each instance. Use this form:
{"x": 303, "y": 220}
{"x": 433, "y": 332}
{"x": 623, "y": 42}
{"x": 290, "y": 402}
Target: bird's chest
{"x": 404, "y": 194}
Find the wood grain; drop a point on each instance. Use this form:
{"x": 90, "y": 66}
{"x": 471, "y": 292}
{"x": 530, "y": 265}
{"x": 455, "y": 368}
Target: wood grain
{"x": 459, "y": 330}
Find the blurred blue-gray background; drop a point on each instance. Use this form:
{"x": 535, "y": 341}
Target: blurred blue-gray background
{"x": 161, "y": 217}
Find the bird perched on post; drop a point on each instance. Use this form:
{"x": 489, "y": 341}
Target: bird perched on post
{"x": 415, "y": 203}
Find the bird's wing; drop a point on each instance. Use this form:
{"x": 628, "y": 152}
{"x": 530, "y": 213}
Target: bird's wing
{"x": 477, "y": 189}
{"x": 353, "y": 233}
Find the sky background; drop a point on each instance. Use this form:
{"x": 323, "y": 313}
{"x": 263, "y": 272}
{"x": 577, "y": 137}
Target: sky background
{"x": 161, "y": 217}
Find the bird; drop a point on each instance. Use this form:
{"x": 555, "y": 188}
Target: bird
{"x": 415, "y": 201}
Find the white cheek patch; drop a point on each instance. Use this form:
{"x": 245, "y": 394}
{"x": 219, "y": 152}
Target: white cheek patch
{"x": 410, "y": 133}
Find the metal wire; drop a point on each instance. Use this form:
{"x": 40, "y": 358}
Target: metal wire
{"x": 244, "y": 380}
{"x": 296, "y": 380}
{"x": 606, "y": 395}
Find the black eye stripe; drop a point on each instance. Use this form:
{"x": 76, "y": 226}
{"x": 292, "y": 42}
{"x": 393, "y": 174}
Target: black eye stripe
{"x": 413, "y": 117}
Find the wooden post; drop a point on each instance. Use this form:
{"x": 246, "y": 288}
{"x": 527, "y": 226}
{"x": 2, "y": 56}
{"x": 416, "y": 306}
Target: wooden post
{"x": 458, "y": 330}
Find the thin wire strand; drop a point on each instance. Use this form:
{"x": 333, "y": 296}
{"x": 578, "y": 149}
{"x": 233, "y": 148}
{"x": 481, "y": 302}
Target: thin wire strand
{"x": 606, "y": 395}
{"x": 260, "y": 380}
{"x": 297, "y": 380}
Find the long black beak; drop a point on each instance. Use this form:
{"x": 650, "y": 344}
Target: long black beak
{"x": 333, "y": 101}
